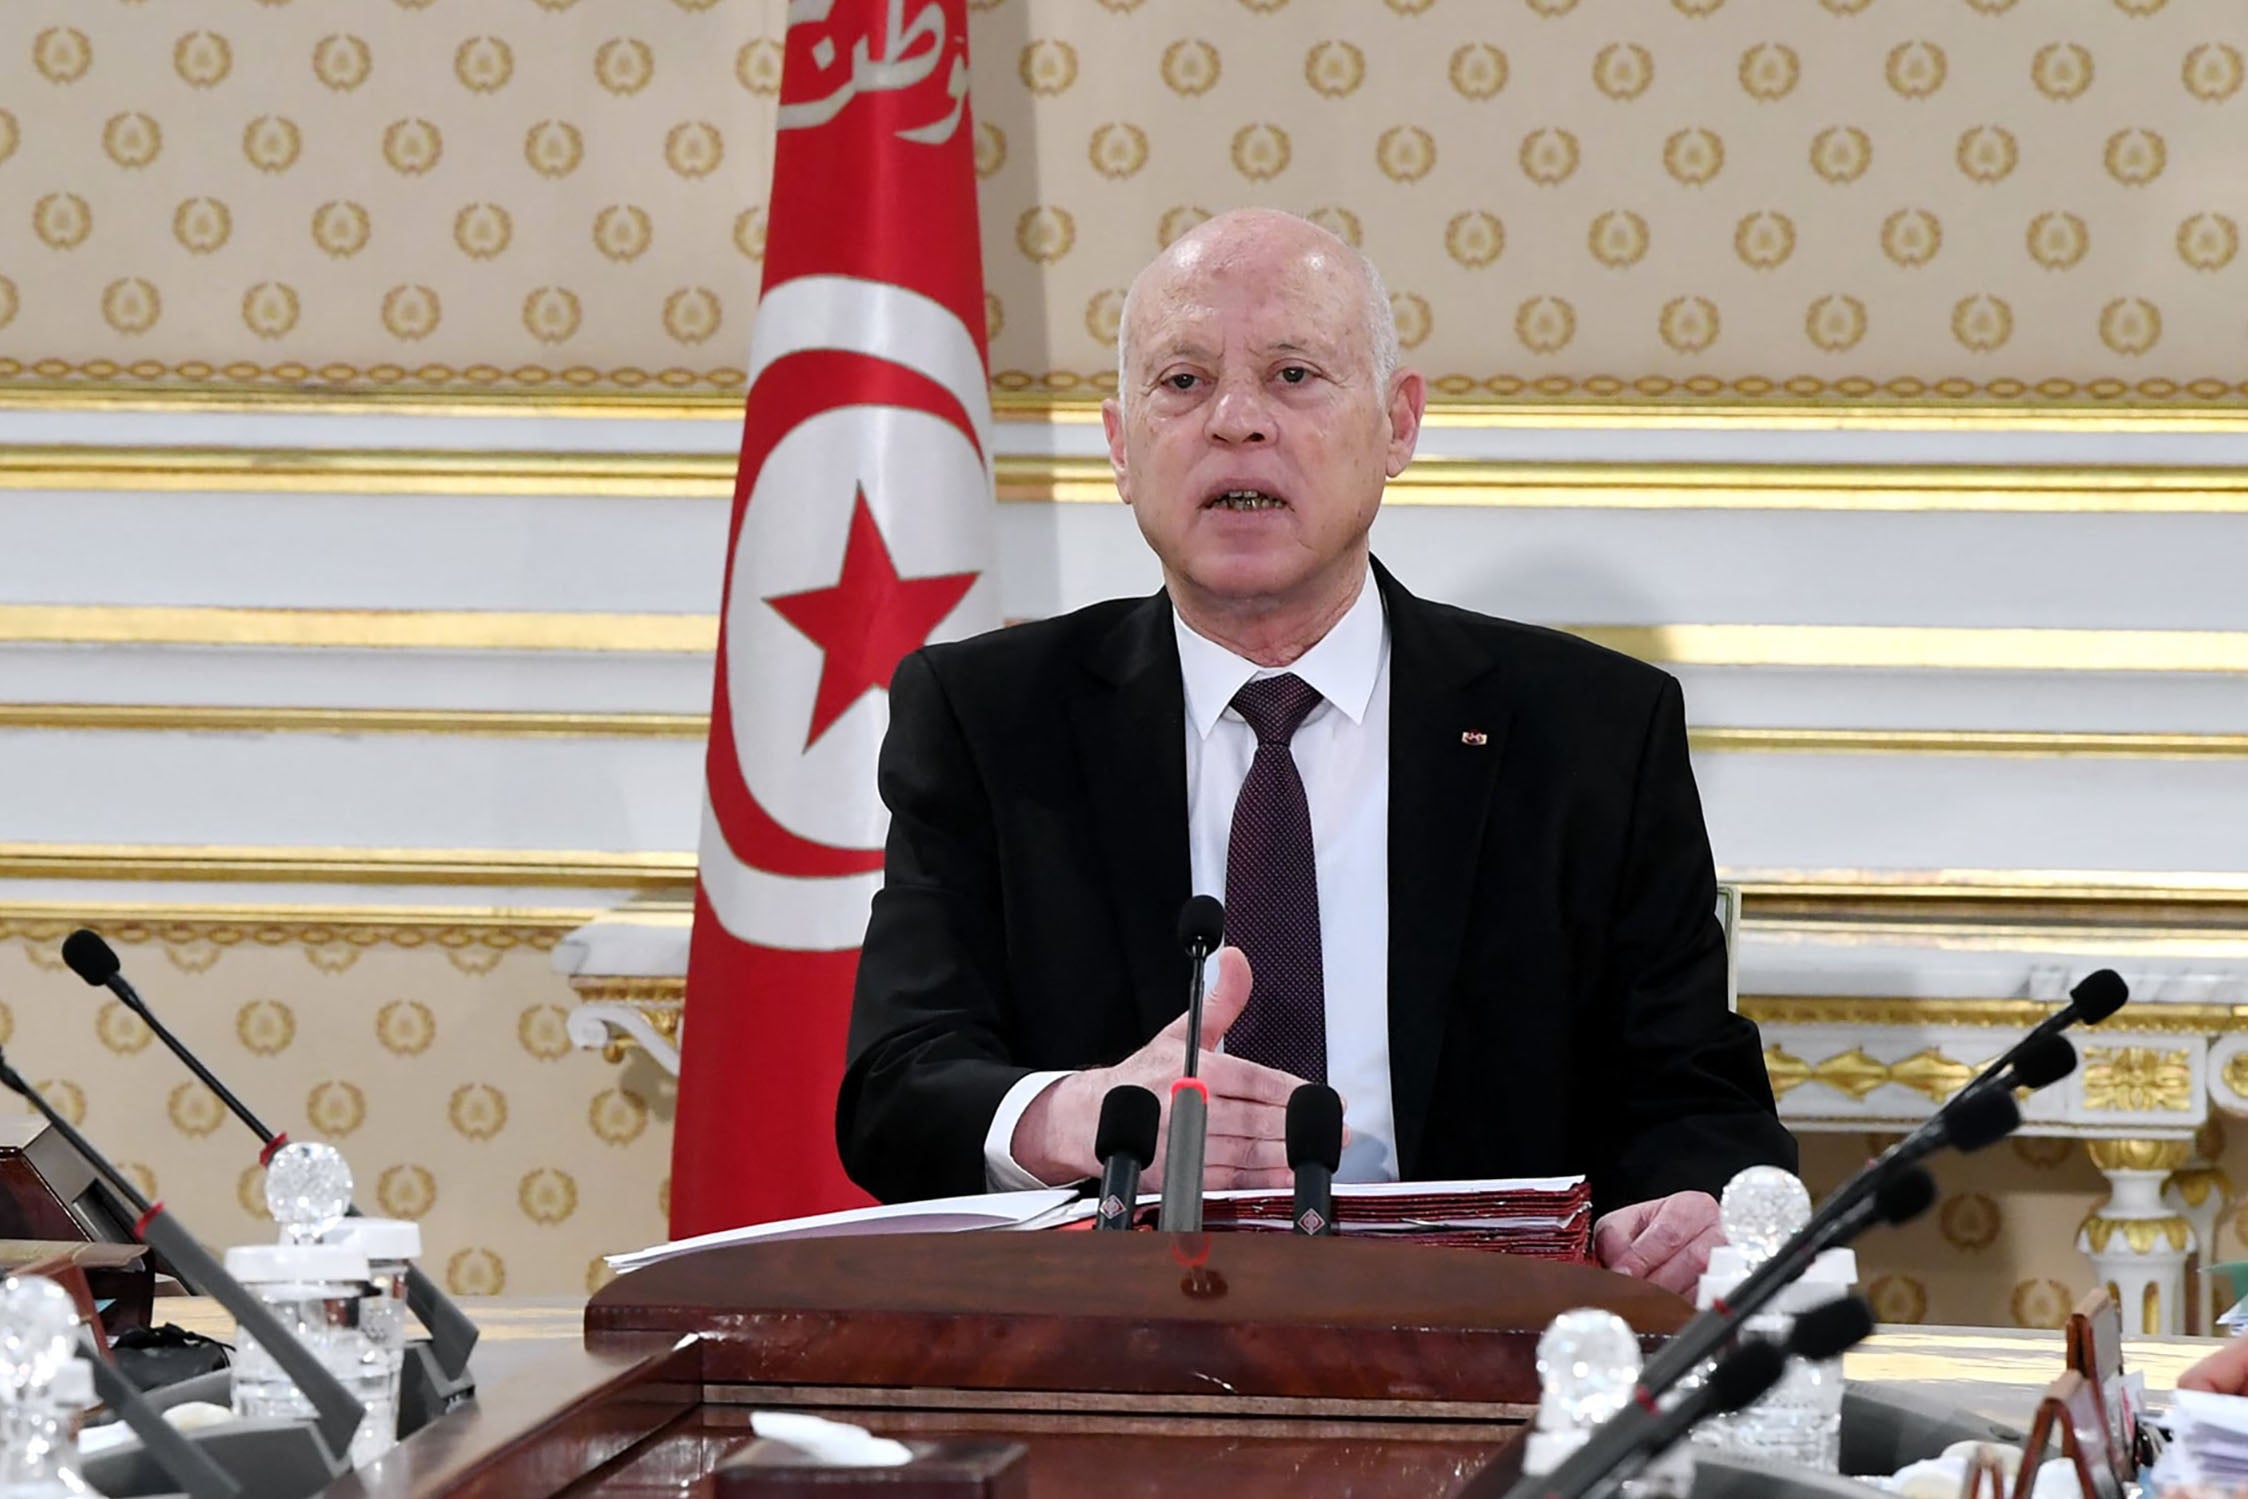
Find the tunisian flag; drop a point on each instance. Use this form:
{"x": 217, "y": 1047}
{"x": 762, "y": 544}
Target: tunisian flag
{"x": 863, "y": 527}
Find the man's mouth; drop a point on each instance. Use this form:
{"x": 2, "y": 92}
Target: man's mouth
{"x": 1243, "y": 500}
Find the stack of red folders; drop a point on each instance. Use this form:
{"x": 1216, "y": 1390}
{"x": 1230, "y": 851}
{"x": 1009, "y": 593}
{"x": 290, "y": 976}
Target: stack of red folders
{"x": 1545, "y": 1217}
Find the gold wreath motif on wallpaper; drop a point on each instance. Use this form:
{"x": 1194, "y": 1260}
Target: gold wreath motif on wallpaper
{"x": 1764, "y": 240}
{"x": 1549, "y": 157}
{"x": 1688, "y": 325}
{"x": 547, "y": 1195}
{"x": 2135, "y": 157}
{"x": 1623, "y": 70}
{"x": 624, "y": 66}
{"x": 1191, "y": 66}
{"x": 341, "y": 228}
{"x": 9, "y": 302}
{"x": 757, "y": 66}
{"x": 1415, "y": 319}
{"x": 544, "y": 1032}
{"x": 270, "y": 309}
{"x": 411, "y": 312}
{"x": 1477, "y": 70}
{"x": 484, "y": 64}
{"x": 1175, "y": 222}
{"x": 475, "y": 1272}
{"x": 623, "y": 232}
{"x": 10, "y": 135}
{"x": 2130, "y": 326}
{"x": 62, "y": 54}
{"x": 1768, "y": 71}
{"x": 194, "y": 1110}
{"x": 1970, "y": 1221}
{"x": 1545, "y": 325}
{"x": 202, "y": 225}
{"x": 2057, "y": 241}
{"x": 694, "y": 148}
{"x": 1047, "y": 67}
{"x": 406, "y": 1027}
{"x": 477, "y": 1111}
{"x": 131, "y": 305}
{"x": 991, "y": 149}
{"x": 1045, "y": 234}
{"x": 1334, "y": 69}
{"x": 483, "y": 231}
{"x": 62, "y": 221}
{"x": 1549, "y": 9}
{"x": 412, "y": 147}
{"x": 406, "y": 1191}
{"x": 1915, "y": 69}
{"x": 1897, "y": 1298}
{"x": 342, "y": 62}
{"x": 995, "y": 318}
{"x": 265, "y": 1027}
{"x": 272, "y": 143}
{"x": 1261, "y": 152}
{"x": 554, "y": 148}
{"x": 2208, "y": 241}
{"x": 2036, "y": 1303}
{"x": 202, "y": 59}
{"x": 2213, "y": 72}
{"x": 1405, "y": 153}
{"x": 551, "y": 314}
{"x": 132, "y": 140}
{"x": 617, "y": 1116}
{"x": 1987, "y": 153}
{"x": 1475, "y": 239}
{"x": 2061, "y": 70}
{"x": 119, "y": 1030}
{"x": 1694, "y": 156}
{"x": 1104, "y": 315}
{"x": 749, "y": 233}
{"x": 1117, "y": 150}
{"x": 1835, "y": 323}
{"x": 1982, "y": 323}
{"x": 1697, "y": 8}
{"x": 1341, "y": 223}
{"x": 1410, "y": 7}
{"x": 336, "y": 1108}
{"x": 1617, "y": 238}
{"x": 692, "y": 314}
{"x": 1841, "y": 153}
{"x": 2137, "y": 1079}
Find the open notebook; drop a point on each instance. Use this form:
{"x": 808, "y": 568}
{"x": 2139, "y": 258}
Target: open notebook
{"x": 1547, "y": 1217}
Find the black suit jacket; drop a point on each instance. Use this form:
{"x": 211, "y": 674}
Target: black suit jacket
{"x": 1556, "y": 969}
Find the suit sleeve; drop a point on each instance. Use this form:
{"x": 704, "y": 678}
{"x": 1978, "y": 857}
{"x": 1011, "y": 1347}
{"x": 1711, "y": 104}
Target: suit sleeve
{"x": 1689, "y": 1103}
{"x": 929, "y": 1059}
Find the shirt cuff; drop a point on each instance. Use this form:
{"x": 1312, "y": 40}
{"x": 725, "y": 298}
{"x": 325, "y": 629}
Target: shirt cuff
{"x": 1001, "y": 1174}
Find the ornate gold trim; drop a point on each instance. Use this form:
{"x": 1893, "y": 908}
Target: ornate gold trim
{"x": 2203, "y": 910}
{"x": 644, "y": 993}
{"x": 217, "y": 719}
{"x": 2140, "y": 1233}
{"x": 358, "y": 629}
{"x": 135, "y": 923}
{"x": 2139, "y": 1155}
{"x": 2136, "y": 1080}
{"x": 367, "y": 471}
{"x": 1997, "y": 1014}
{"x": 534, "y": 723}
{"x": 1927, "y": 1072}
{"x": 1840, "y": 646}
{"x": 565, "y": 868}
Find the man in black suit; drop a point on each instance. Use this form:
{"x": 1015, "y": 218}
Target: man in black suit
{"x": 1465, "y": 857}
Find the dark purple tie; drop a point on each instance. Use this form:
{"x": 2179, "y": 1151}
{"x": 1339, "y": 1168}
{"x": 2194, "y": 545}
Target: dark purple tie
{"x": 1272, "y": 891}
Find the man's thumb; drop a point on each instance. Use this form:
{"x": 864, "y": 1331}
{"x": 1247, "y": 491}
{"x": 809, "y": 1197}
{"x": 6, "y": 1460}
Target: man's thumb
{"x": 1228, "y": 996}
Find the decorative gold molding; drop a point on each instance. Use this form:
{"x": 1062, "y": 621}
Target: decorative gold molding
{"x": 1927, "y": 1072}
{"x": 642, "y": 992}
{"x": 1839, "y": 646}
{"x": 2142, "y": 1234}
{"x": 367, "y": 471}
{"x": 2139, "y": 1155}
{"x": 136, "y": 923}
{"x": 535, "y": 723}
{"x": 358, "y": 629}
{"x": 564, "y": 868}
{"x": 218, "y": 719}
{"x": 1996, "y": 1014}
{"x": 2203, "y": 910}
{"x": 2137, "y": 1080}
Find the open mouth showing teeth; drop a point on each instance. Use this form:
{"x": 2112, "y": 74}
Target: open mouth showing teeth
{"x": 1246, "y": 499}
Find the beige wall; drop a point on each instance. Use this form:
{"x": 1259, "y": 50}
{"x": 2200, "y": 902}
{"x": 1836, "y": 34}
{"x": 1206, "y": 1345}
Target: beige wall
{"x": 434, "y": 1058}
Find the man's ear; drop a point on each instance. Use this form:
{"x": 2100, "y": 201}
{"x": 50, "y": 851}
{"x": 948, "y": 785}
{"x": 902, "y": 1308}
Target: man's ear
{"x": 1112, "y": 422}
{"x": 1408, "y": 399}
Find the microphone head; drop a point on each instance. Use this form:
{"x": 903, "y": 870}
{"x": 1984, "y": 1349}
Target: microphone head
{"x": 89, "y": 957}
{"x": 1130, "y": 1117}
{"x": 2045, "y": 1060}
{"x": 1201, "y": 925}
{"x": 1829, "y": 1328}
{"x": 1983, "y": 1117}
{"x": 1315, "y": 1127}
{"x": 2100, "y": 995}
{"x": 1745, "y": 1373}
{"x": 1904, "y": 1196}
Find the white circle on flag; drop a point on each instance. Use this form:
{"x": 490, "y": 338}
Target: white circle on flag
{"x": 929, "y": 493}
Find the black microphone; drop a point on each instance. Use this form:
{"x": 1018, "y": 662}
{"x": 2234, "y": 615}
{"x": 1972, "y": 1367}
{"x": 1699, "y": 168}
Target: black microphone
{"x": 1201, "y": 929}
{"x": 1643, "y": 1431}
{"x": 2042, "y": 1062}
{"x": 2094, "y": 999}
{"x": 1315, "y": 1149}
{"x": 1892, "y": 1190}
{"x": 1131, "y": 1117}
{"x": 452, "y": 1335}
{"x": 339, "y": 1413}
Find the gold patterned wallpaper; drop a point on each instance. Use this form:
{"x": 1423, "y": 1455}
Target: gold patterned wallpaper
{"x": 435, "y": 1060}
{"x": 1974, "y": 199}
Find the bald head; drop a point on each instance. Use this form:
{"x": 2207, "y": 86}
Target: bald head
{"x": 1260, "y": 241}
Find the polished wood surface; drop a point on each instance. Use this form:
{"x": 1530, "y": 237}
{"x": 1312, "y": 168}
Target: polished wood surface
{"x": 1232, "y": 1315}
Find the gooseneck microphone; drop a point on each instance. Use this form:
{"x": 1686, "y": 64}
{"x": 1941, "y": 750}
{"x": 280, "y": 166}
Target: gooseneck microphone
{"x": 1201, "y": 929}
{"x": 1315, "y": 1149}
{"x": 451, "y": 1334}
{"x": 1131, "y": 1118}
{"x": 1890, "y": 1190}
{"x": 339, "y": 1413}
{"x": 2097, "y": 996}
{"x": 1643, "y": 1430}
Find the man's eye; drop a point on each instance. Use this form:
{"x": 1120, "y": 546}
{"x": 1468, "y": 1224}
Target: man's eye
{"x": 1181, "y": 381}
{"x": 1295, "y": 374}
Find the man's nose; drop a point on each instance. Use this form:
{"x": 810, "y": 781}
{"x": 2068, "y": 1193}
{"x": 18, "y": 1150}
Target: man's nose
{"x": 1240, "y": 414}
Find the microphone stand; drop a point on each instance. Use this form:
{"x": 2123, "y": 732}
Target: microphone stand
{"x": 1183, "y": 1153}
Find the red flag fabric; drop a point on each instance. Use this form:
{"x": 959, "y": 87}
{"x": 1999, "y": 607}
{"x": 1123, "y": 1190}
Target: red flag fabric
{"x": 862, "y": 527}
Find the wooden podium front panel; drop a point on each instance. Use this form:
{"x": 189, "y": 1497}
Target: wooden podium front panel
{"x": 1237, "y": 1316}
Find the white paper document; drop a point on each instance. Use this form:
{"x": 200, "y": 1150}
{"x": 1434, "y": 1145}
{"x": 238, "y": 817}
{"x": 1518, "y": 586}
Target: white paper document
{"x": 1043, "y": 1208}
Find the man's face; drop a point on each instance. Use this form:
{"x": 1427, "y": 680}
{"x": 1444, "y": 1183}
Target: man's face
{"x": 1255, "y": 441}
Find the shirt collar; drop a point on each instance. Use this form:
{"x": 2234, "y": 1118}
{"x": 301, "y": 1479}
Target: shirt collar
{"x": 1342, "y": 667}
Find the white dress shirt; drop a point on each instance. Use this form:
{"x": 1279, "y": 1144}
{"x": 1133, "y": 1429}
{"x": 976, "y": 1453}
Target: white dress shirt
{"x": 1342, "y": 753}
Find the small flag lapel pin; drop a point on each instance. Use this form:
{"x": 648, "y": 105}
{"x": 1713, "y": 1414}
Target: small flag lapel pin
{"x": 1474, "y": 736}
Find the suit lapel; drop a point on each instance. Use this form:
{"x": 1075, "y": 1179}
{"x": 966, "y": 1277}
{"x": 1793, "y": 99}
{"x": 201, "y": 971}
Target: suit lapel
{"x": 1131, "y": 736}
{"x": 1440, "y": 782}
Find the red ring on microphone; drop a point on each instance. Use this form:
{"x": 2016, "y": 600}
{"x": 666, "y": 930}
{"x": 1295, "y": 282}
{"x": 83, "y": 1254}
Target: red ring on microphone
{"x": 1195, "y": 1083}
{"x": 265, "y": 1156}
{"x": 140, "y": 1224}
{"x": 1643, "y": 1400}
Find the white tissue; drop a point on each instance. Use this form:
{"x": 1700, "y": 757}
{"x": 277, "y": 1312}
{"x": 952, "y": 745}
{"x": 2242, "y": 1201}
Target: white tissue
{"x": 188, "y": 1416}
{"x": 837, "y": 1444}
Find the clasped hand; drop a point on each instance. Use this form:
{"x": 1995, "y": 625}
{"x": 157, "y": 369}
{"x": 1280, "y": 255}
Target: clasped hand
{"x": 1247, "y": 1145}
